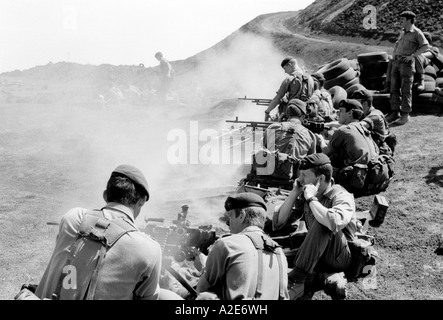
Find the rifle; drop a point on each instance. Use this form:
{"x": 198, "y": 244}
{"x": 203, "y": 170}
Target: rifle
{"x": 253, "y": 124}
{"x": 257, "y": 101}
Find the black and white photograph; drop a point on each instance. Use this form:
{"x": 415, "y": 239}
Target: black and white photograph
{"x": 190, "y": 150}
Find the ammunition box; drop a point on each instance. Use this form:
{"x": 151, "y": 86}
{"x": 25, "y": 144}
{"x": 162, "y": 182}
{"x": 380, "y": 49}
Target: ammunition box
{"x": 378, "y": 211}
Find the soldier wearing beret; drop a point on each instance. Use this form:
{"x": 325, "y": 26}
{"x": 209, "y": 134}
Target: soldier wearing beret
{"x": 348, "y": 145}
{"x": 410, "y": 44}
{"x": 131, "y": 267}
{"x": 374, "y": 120}
{"x": 329, "y": 213}
{"x": 247, "y": 264}
{"x": 290, "y": 138}
{"x": 292, "y": 87}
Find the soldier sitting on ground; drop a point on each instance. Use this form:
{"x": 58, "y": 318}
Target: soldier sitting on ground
{"x": 247, "y": 264}
{"x": 374, "y": 120}
{"x": 349, "y": 144}
{"x": 329, "y": 214}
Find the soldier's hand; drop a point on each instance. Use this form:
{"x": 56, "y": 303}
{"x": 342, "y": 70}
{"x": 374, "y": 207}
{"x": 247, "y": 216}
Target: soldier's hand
{"x": 311, "y": 190}
{"x": 199, "y": 259}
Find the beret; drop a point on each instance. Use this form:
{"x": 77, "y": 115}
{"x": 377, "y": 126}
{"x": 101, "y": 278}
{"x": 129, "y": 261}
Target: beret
{"x": 185, "y": 206}
{"x": 297, "y": 103}
{"x": 286, "y": 60}
{"x": 135, "y": 175}
{"x": 244, "y": 200}
{"x": 362, "y": 93}
{"x": 314, "y": 160}
{"x": 350, "y": 104}
{"x": 407, "y": 14}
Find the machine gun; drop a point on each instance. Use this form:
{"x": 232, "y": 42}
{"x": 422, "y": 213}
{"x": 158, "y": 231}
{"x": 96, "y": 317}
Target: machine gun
{"x": 178, "y": 241}
{"x": 252, "y": 124}
{"x": 257, "y": 101}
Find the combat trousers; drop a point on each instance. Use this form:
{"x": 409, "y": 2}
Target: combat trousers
{"x": 402, "y": 78}
{"x": 321, "y": 251}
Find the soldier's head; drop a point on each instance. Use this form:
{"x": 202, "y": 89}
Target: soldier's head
{"x": 158, "y": 55}
{"x": 408, "y": 17}
{"x": 289, "y": 64}
{"x": 350, "y": 110}
{"x": 315, "y": 168}
{"x": 243, "y": 210}
{"x": 128, "y": 186}
{"x": 364, "y": 96}
{"x": 296, "y": 109}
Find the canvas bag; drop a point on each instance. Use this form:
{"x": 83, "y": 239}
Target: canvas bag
{"x": 286, "y": 165}
{"x": 380, "y": 170}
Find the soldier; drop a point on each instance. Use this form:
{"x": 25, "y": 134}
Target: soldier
{"x": 166, "y": 77}
{"x": 130, "y": 269}
{"x": 410, "y": 44}
{"x": 329, "y": 213}
{"x": 247, "y": 264}
{"x": 298, "y": 85}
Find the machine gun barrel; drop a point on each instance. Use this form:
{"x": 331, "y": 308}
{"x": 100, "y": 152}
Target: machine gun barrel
{"x": 253, "y": 124}
{"x": 257, "y": 101}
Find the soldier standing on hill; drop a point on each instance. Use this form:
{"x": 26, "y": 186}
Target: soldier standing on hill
{"x": 166, "y": 77}
{"x": 409, "y": 45}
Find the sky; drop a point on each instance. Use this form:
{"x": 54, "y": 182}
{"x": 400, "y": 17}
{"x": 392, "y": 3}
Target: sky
{"x": 120, "y": 32}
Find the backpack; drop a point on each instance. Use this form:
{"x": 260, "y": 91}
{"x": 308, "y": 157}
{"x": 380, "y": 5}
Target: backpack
{"x": 263, "y": 242}
{"x": 386, "y": 143}
{"x": 307, "y": 86}
{"x": 373, "y": 178}
{"x": 285, "y": 166}
{"x": 325, "y": 108}
{"x": 304, "y": 93}
{"x": 96, "y": 235}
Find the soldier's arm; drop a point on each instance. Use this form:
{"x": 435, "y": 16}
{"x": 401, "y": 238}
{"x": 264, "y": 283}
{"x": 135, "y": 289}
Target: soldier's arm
{"x": 280, "y": 94}
{"x": 282, "y": 214}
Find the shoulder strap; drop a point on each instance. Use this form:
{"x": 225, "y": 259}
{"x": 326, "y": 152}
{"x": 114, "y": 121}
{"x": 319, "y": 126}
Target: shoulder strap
{"x": 299, "y": 77}
{"x": 262, "y": 242}
{"x": 101, "y": 230}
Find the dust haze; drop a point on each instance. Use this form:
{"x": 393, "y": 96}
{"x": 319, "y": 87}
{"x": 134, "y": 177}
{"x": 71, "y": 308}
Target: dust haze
{"x": 80, "y": 144}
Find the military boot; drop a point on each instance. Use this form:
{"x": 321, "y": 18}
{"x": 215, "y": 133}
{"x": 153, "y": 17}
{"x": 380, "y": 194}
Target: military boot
{"x": 335, "y": 285}
{"x": 404, "y": 118}
{"x": 296, "y": 290}
{"x": 393, "y": 116}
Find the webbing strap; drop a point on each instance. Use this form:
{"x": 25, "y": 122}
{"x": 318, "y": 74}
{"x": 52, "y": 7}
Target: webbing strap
{"x": 107, "y": 232}
{"x": 281, "y": 290}
{"x": 73, "y": 251}
{"x": 93, "y": 284}
{"x": 258, "y": 291}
